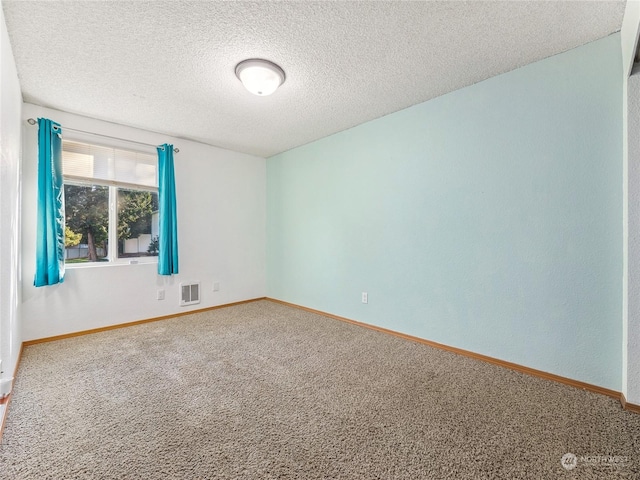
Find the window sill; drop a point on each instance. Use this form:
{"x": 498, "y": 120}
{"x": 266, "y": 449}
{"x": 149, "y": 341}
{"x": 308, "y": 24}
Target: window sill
{"x": 117, "y": 263}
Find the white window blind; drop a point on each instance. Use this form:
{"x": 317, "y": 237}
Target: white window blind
{"x": 83, "y": 161}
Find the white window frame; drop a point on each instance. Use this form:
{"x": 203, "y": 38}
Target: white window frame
{"x": 112, "y": 206}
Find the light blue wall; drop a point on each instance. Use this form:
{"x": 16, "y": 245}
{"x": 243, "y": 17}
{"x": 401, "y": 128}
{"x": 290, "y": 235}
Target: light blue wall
{"x": 488, "y": 219}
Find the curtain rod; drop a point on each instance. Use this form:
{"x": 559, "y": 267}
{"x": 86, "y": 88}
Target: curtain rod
{"x": 32, "y": 121}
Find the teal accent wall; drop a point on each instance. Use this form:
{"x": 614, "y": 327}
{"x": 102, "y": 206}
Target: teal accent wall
{"x": 489, "y": 219}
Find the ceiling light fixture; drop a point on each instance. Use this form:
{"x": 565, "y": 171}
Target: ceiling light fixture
{"x": 260, "y": 77}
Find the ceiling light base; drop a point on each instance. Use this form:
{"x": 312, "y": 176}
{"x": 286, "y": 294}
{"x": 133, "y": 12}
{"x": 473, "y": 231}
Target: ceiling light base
{"x": 260, "y": 77}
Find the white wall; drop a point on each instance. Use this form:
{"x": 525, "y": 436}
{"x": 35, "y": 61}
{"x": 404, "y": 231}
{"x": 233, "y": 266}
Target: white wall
{"x": 10, "y": 106}
{"x": 631, "y": 207}
{"x": 631, "y": 371}
{"x": 221, "y": 228}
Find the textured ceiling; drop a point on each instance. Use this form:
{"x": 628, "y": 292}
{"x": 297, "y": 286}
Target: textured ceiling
{"x": 168, "y": 66}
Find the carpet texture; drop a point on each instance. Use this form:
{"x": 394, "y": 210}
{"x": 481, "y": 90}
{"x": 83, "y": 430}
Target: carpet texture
{"x": 262, "y": 391}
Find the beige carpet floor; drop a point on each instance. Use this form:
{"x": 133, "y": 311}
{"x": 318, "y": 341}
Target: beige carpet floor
{"x": 264, "y": 391}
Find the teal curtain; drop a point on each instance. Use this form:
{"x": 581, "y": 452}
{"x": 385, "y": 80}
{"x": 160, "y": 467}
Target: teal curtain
{"x": 50, "y": 222}
{"x": 168, "y": 224}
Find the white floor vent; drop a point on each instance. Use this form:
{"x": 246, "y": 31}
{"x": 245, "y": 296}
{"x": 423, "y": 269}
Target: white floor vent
{"x": 189, "y": 293}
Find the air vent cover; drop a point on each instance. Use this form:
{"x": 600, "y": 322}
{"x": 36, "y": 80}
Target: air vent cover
{"x": 189, "y": 293}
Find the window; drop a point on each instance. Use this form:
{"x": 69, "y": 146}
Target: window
{"x": 111, "y": 199}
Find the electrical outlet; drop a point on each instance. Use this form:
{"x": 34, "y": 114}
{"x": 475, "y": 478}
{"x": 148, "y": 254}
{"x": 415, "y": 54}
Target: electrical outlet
{"x": 160, "y": 295}
{"x": 216, "y": 286}
{"x": 365, "y": 297}
{"x": 5, "y": 386}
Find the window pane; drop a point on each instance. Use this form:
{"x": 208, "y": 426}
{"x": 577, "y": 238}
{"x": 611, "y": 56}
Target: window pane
{"x": 87, "y": 161}
{"x": 81, "y": 160}
{"x": 87, "y": 223}
{"x": 135, "y": 168}
{"x": 137, "y": 223}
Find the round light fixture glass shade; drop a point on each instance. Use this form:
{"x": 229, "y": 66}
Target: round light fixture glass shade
{"x": 260, "y": 77}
